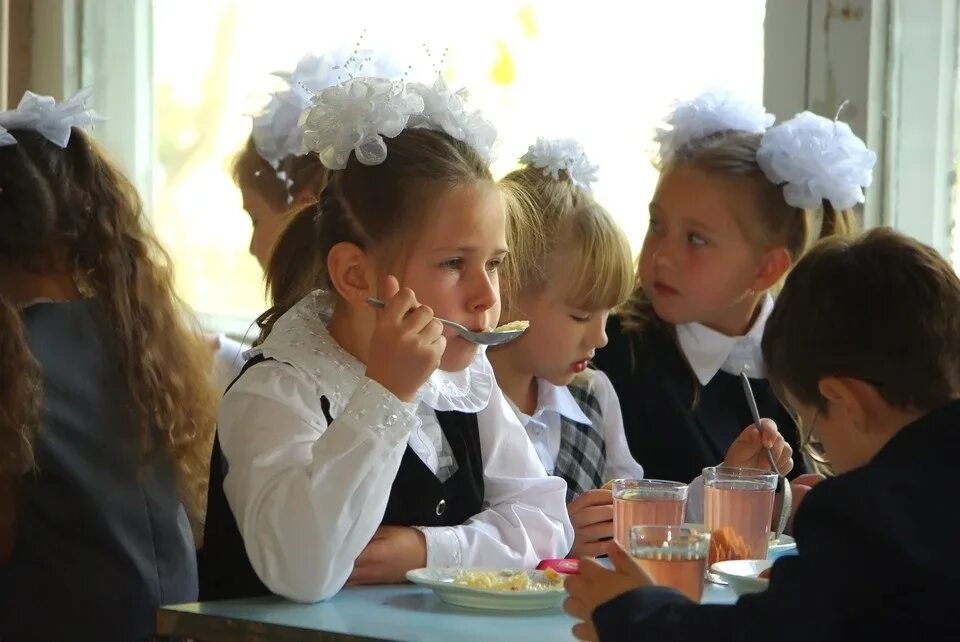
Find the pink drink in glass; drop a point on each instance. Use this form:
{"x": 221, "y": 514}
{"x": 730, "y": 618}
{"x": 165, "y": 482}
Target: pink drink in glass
{"x": 643, "y": 502}
{"x": 738, "y": 508}
{"x": 673, "y": 556}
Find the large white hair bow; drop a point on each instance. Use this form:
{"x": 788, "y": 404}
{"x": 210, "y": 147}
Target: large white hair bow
{"x": 565, "y": 154}
{"x": 50, "y": 119}
{"x": 712, "y": 112}
{"x": 447, "y": 110}
{"x": 276, "y": 131}
{"x": 355, "y": 116}
{"x": 817, "y": 159}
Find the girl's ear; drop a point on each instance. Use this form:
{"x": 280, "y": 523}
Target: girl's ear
{"x": 305, "y": 197}
{"x": 773, "y": 265}
{"x": 352, "y": 273}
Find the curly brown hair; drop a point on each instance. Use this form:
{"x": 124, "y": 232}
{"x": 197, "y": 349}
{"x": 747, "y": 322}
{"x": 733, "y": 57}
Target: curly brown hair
{"x": 72, "y": 204}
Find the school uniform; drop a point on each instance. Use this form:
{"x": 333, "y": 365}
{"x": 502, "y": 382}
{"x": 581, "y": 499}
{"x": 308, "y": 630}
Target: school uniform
{"x": 876, "y": 559}
{"x": 228, "y": 361}
{"x": 102, "y": 538}
{"x": 315, "y": 456}
{"x": 682, "y": 399}
{"x": 577, "y": 432}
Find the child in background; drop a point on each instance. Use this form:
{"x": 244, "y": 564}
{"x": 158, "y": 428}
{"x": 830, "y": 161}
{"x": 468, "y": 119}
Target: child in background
{"x": 277, "y": 177}
{"x": 107, "y": 413}
{"x": 723, "y": 232}
{"x": 570, "y": 266}
{"x": 362, "y": 443}
{"x": 864, "y": 345}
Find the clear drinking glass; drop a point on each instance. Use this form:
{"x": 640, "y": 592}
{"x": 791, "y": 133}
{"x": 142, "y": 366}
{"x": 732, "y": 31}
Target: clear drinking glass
{"x": 646, "y": 502}
{"x": 738, "y": 509}
{"x": 673, "y": 556}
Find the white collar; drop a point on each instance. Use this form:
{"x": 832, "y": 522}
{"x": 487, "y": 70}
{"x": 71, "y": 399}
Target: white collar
{"x": 555, "y": 399}
{"x": 300, "y": 339}
{"x": 708, "y": 351}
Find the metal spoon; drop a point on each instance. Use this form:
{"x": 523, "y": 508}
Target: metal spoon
{"x": 787, "y": 491}
{"x": 490, "y": 338}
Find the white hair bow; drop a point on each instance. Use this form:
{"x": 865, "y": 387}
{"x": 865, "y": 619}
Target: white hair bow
{"x": 45, "y": 116}
{"x": 714, "y": 111}
{"x": 817, "y": 159}
{"x": 566, "y": 155}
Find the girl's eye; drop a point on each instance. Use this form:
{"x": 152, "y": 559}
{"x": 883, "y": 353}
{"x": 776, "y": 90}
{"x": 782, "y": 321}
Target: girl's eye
{"x": 580, "y": 317}
{"x": 696, "y": 240}
{"x": 494, "y": 265}
{"x": 453, "y": 264}
{"x": 654, "y": 225}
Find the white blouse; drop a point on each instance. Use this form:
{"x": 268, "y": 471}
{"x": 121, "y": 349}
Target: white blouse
{"x": 554, "y": 402}
{"x": 708, "y": 351}
{"x": 543, "y": 429}
{"x": 228, "y": 361}
{"x": 308, "y": 496}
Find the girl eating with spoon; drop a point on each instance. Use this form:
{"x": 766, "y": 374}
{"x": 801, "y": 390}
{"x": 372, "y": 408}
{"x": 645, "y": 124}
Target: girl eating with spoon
{"x": 362, "y": 443}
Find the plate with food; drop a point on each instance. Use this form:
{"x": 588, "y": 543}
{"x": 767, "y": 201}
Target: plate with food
{"x": 493, "y": 588}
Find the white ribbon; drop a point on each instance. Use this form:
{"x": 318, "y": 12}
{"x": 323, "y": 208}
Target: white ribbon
{"x": 45, "y": 116}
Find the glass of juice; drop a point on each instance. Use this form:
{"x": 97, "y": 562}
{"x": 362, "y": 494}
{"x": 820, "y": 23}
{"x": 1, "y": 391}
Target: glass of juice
{"x": 673, "y": 556}
{"x": 646, "y": 502}
{"x": 738, "y": 509}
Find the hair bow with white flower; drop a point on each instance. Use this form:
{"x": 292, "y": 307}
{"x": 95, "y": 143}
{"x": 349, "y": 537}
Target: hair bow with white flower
{"x": 355, "y": 116}
{"x": 42, "y": 114}
{"x": 817, "y": 159}
{"x": 447, "y": 111}
{"x": 276, "y": 131}
{"x": 561, "y": 155}
{"x": 712, "y": 112}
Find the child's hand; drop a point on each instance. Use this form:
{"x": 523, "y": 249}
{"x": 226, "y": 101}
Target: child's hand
{"x": 800, "y": 487}
{"x": 591, "y": 514}
{"x": 407, "y": 343}
{"x": 392, "y": 552}
{"x": 595, "y": 585}
{"x": 747, "y": 450}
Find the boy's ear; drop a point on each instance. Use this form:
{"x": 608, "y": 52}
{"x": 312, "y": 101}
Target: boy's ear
{"x": 857, "y": 401}
{"x": 352, "y": 273}
{"x": 774, "y": 265}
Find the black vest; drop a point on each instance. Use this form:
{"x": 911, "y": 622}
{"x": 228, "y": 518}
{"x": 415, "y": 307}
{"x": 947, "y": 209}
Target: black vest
{"x": 102, "y": 538}
{"x": 417, "y": 498}
{"x": 674, "y": 426}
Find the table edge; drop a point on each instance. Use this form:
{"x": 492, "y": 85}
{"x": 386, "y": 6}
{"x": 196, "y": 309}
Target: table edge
{"x": 218, "y": 628}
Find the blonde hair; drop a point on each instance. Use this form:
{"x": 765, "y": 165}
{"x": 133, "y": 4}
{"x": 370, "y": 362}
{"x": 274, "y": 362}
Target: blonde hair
{"x": 556, "y": 225}
{"x": 75, "y": 202}
{"x": 772, "y": 222}
{"x": 372, "y": 206}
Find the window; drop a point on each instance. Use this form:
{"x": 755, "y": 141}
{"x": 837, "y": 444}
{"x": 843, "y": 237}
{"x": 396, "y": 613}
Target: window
{"x": 536, "y": 67}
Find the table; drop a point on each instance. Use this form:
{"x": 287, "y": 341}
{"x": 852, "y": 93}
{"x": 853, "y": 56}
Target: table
{"x": 401, "y": 612}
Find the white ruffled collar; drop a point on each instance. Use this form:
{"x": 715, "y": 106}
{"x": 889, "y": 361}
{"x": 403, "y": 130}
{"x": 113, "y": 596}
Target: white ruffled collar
{"x": 708, "y": 351}
{"x": 300, "y": 338}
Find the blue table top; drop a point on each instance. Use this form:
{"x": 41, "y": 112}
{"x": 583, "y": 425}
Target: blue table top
{"x": 402, "y": 612}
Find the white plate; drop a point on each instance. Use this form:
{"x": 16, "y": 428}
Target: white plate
{"x": 741, "y": 575}
{"x": 443, "y": 583}
{"x": 776, "y": 549}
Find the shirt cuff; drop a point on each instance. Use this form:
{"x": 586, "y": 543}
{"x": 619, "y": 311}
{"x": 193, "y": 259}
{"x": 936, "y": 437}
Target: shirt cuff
{"x": 378, "y": 409}
{"x": 443, "y": 546}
